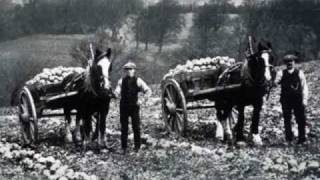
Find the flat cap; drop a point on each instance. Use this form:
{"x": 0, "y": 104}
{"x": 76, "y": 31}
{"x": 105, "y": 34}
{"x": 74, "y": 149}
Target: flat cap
{"x": 130, "y": 65}
{"x": 290, "y": 57}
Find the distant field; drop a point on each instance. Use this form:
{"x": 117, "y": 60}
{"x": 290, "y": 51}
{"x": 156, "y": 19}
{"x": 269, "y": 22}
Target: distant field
{"x": 45, "y": 47}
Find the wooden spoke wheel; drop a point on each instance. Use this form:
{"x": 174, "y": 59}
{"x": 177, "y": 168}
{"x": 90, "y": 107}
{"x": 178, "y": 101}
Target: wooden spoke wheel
{"x": 174, "y": 107}
{"x": 28, "y": 117}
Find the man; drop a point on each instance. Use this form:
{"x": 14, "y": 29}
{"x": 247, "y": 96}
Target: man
{"x": 128, "y": 88}
{"x": 293, "y": 98}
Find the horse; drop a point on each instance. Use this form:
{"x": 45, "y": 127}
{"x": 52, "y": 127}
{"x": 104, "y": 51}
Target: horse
{"x": 255, "y": 76}
{"x": 92, "y": 100}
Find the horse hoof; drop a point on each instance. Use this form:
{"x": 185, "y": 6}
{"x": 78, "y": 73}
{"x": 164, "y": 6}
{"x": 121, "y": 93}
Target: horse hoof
{"x": 256, "y": 140}
{"x": 68, "y": 138}
{"x": 85, "y": 145}
{"x": 228, "y": 138}
{"x": 102, "y": 143}
{"x": 78, "y": 138}
{"x": 241, "y": 144}
{"x": 94, "y": 136}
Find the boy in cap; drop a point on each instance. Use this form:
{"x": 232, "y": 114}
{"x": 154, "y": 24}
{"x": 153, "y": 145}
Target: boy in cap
{"x": 128, "y": 88}
{"x": 293, "y": 98}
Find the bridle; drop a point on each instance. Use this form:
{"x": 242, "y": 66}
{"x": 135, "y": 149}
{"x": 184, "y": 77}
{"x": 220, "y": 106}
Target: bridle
{"x": 94, "y": 70}
{"x": 257, "y": 57}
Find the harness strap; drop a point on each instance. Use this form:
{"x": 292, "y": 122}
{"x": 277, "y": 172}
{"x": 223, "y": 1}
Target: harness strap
{"x": 246, "y": 72}
{"x": 227, "y": 71}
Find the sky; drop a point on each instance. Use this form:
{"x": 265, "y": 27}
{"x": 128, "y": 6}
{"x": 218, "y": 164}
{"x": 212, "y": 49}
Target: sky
{"x": 237, "y": 2}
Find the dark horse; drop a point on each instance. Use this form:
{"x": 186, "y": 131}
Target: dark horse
{"x": 93, "y": 98}
{"x": 254, "y": 76}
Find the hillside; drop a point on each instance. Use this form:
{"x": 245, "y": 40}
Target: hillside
{"x": 23, "y": 58}
{"x": 45, "y": 47}
{"x": 164, "y": 155}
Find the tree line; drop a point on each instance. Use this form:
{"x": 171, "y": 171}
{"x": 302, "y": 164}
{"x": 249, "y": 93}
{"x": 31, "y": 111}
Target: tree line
{"x": 287, "y": 23}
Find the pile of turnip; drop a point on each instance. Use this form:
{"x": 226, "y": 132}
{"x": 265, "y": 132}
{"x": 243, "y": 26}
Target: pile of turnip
{"x": 37, "y": 164}
{"x": 54, "y": 75}
{"x": 202, "y": 64}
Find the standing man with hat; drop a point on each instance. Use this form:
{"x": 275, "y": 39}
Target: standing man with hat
{"x": 293, "y": 98}
{"x": 128, "y": 89}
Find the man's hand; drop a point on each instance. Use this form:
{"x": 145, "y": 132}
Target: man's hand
{"x": 141, "y": 101}
{"x": 305, "y": 103}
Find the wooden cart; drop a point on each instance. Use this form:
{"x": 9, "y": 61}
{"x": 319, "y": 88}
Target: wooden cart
{"x": 34, "y": 99}
{"x": 182, "y": 88}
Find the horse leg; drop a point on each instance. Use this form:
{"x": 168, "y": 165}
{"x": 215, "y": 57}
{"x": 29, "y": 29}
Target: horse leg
{"x": 102, "y": 129}
{"x": 87, "y": 130}
{"x": 255, "y": 123}
{"x": 102, "y": 124}
{"x": 95, "y": 118}
{"x": 227, "y": 125}
{"x": 219, "y": 124}
{"x": 77, "y": 129}
{"x": 68, "y": 135}
{"x": 240, "y": 124}
{"x": 223, "y": 115}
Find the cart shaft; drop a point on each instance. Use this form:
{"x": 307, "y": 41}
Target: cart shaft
{"x": 57, "y": 114}
{"x": 204, "y": 106}
{"x": 217, "y": 89}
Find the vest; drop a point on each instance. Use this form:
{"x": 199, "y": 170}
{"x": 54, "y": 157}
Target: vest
{"x": 291, "y": 86}
{"x": 129, "y": 91}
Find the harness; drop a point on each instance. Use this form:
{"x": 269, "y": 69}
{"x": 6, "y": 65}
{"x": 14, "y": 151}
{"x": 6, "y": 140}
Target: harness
{"x": 247, "y": 79}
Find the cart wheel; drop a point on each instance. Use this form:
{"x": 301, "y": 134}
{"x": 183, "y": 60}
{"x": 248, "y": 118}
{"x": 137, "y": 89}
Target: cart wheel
{"x": 28, "y": 117}
{"x": 174, "y": 107}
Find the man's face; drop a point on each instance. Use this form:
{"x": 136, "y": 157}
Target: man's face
{"x": 290, "y": 64}
{"x": 130, "y": 72}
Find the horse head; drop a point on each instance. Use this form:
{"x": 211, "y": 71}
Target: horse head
{"x": 260, "y": 63}
{"x": 100, "y": 71}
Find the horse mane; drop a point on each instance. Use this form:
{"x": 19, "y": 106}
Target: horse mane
{"x": 88, "y": 84}
{"x": 246, "y": 72}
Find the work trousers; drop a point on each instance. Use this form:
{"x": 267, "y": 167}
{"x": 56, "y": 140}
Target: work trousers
{"x": 298, "y": 109}
{"x": 132, "y": 111}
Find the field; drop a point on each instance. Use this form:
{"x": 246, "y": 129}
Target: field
{"x": 164, "y": 155}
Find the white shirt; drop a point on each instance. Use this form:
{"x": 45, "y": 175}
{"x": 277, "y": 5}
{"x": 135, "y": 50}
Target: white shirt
{"x": 304, "y": 85}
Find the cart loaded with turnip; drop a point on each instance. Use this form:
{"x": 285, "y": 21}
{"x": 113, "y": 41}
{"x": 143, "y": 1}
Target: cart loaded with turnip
{"x": 50, "y": 89}
{"x": 197, "y": 80}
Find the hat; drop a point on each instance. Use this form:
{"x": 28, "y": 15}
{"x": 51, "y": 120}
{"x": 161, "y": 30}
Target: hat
{"x": 99, "y": 54}
{"x": 129, "y": 65}
{"x": 290, "y": 57}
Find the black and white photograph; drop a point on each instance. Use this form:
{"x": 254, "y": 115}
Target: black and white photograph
{"x": 159, "y": 89}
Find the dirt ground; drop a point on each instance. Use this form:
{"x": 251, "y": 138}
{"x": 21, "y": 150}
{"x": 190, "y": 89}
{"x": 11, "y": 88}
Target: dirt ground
{"x": 163, "y": 155}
